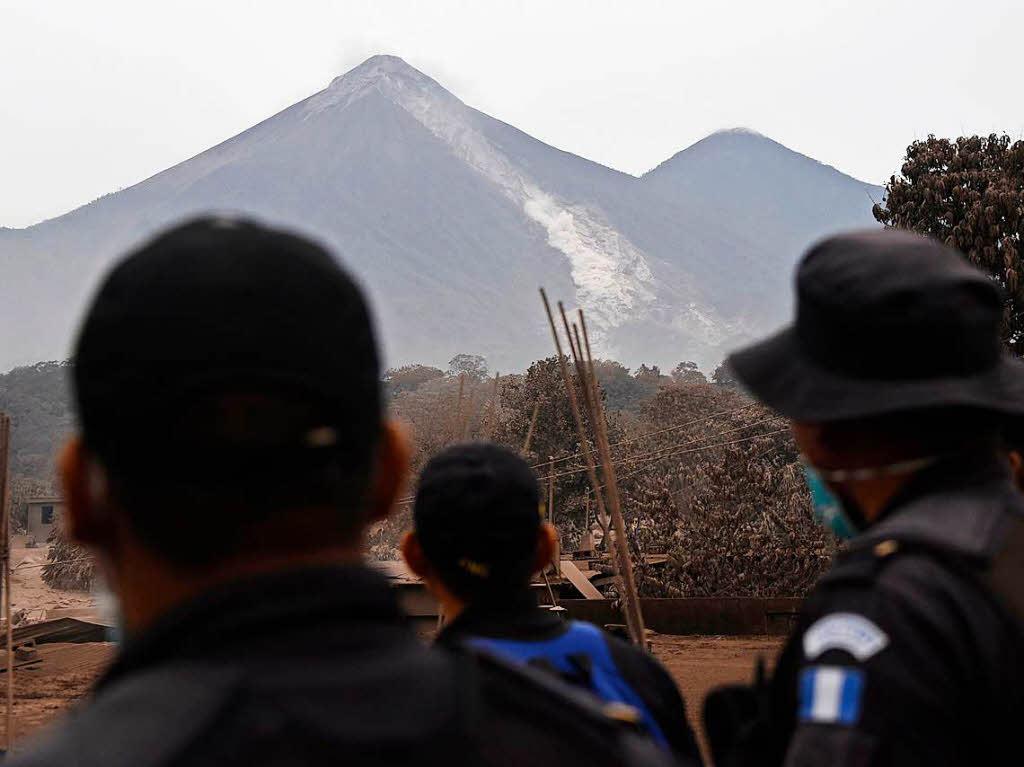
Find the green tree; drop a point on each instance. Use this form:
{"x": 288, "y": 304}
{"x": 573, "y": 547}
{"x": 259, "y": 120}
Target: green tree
{"x": 968, "y": 193}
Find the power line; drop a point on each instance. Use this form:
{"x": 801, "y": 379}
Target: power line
{"x": 665, "y": 452}
{"x": 653, "y": 433}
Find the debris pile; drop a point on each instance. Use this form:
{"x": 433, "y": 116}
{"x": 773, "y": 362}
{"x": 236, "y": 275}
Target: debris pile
{"x": 68, "y": 567}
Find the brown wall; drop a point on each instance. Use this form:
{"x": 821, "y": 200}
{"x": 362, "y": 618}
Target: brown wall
{"x": 736, "y": 616}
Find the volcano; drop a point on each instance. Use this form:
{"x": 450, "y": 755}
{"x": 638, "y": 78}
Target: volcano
{"x": 451, "y": 219}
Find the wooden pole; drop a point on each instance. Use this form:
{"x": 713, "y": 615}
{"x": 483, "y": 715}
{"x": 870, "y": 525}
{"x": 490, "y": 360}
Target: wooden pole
{"x": 551, "y": 489}
{"x": 492, "y": 412}
{"x": 620, "y": 553}
{"x": 608, "y": 469}
{"x": 588, "y": 456}
{"x": 557, "y": 559}
{"x": 457, "y": 421}
{"x": 467, "y": 421}
{"x": 529, "y": 432}
{"x": 5, "y": 543}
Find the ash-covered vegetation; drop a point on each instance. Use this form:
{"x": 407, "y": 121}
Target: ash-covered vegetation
{"x": 708, "y": 478}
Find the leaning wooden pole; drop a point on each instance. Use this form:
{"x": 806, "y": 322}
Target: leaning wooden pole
{"x": 529, "y": 432}
{"x": 620, "y": 553}
{"x": 5, "y": 543}
{"x": 588, "y": 457}
{"x": 456, "y": 428}
{"x": 614, "y": 501}
{"x": 492, "y": 411}
{"x": 467, "y": 421}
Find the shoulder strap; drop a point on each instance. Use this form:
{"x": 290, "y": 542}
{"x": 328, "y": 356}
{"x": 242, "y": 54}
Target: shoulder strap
{"x": 1000, "y": 578}
{"x": 619, "y": 725}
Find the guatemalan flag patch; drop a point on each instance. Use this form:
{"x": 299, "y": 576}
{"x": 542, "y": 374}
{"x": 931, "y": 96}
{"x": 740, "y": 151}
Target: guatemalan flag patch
{"x": 831, "y": 695}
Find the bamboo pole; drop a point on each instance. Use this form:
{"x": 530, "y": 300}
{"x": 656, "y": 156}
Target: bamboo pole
{"x": 620, "y": 551}
{"x": 614, "y": 501}
{"x": 457, "y": 420}
{"x": 529, "y": 432}
{"x": 5, "y": 542}
{"x": 581, "y": 431}
{"x": 557, "y": 559}
{"x": 467, "y": 419}
{"x": 492, "y": 413}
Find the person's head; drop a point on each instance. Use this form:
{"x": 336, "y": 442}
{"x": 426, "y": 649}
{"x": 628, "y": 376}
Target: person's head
{"x": 892, "y": 363}
{"x": 226, "y": 378}
{"x": 478, "y": 531}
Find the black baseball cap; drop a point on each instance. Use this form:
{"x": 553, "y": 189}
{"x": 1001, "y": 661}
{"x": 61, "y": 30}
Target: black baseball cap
{"x": 477, "y": 517}
{"x": 224, "y": 304}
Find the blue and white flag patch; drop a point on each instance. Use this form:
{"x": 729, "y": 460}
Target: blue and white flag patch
{"x": 830, "y": 695}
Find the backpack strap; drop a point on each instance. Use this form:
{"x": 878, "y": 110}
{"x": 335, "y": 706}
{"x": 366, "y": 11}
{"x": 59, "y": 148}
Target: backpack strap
{"x": 620, "y": 725}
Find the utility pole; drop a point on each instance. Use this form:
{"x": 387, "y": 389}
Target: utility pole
{"x": 5, "y": 551}
{"x": 529, "y": 432}
{"x": 551, "y": 515}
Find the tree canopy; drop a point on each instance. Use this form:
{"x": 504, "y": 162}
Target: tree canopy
{"x": 687, "y": 373}
{"x": 968, "y": 193}
{"x": 409, "y": 378}
{"x": 472, "y": 366}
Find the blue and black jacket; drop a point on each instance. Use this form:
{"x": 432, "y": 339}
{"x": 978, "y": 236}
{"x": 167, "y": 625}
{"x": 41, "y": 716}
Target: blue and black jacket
{"x": 515, "y": 628}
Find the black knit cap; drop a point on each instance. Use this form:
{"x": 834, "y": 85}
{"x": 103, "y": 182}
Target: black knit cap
{"x": 477, "y": 517}
{"x": 223, "y": 305}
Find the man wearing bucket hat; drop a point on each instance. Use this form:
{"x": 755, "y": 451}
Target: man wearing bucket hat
{"x": 911, "y": 649}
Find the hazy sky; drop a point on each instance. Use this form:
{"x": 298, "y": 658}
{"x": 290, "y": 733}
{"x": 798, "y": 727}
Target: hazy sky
{"x": 97, "y": 96}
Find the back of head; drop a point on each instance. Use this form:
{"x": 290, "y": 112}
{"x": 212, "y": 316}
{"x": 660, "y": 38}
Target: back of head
{"x": 227, "y": 382}
{"x": 477, "y": 517}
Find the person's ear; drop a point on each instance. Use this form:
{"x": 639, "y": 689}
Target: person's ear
{"x": 392, "y": 469}
{"x": 413, "y": 555}
{"x": 547, "y": 545}
{"x": 1017, "y": 468}
{"x": 86, "y": 520}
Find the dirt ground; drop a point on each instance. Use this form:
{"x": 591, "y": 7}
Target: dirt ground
{"x": 701, "y": 663}
{"x": 63, "y": 673}
{"x": 66, "y": 671}
{"x": 43, "y": 689}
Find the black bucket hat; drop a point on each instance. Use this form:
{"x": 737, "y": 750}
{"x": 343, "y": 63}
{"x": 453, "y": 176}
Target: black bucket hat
{"x": 886, "y": 321}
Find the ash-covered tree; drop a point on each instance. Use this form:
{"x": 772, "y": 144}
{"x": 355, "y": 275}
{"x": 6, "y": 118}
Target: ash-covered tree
{"x": 968, "y": 193}
{"x": 472, "y": 366}
{"x": 409, "y": 378}
{"x": 543, "y": 388}
{"x": 718, "y": 488}
{"x": 687, "y": 373}
{"x": 555, "y": 436}
{"x": 724, "y": 377}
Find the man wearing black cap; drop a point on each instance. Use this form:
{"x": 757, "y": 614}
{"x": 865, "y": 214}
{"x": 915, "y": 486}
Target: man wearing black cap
{"x": 911, "y": 650}
{"x": 478, "y": 540}
{"x": 232, "y": 449}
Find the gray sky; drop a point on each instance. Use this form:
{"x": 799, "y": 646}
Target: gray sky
{"x": 97, "y": 96}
